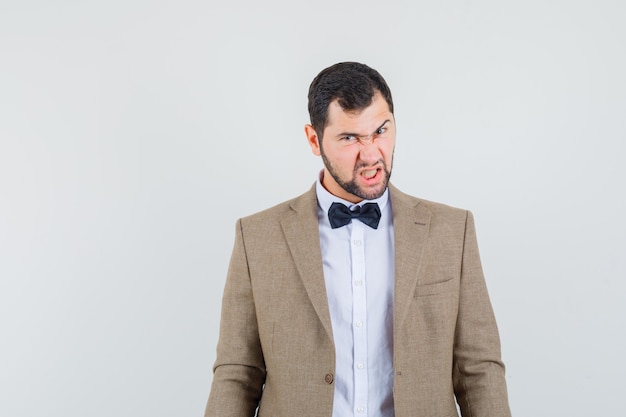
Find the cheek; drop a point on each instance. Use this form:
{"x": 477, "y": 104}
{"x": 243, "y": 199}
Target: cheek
{"x": 387, "y": 152}
{"x": 348, "y": 161}
{"x": 343, "y": 160}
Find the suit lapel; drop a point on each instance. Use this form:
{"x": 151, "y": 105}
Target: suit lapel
{"x": 411, "y": 222}
{"x": 302, "y": 235}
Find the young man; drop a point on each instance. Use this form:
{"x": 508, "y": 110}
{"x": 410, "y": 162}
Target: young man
{"x": 356, "y": 299}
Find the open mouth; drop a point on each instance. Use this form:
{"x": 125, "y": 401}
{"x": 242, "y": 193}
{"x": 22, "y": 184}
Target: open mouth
{"x": 371, "y": 176}
{"x": 370, "y": 173}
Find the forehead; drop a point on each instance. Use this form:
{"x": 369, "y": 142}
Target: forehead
{"x": 365, "y": 119}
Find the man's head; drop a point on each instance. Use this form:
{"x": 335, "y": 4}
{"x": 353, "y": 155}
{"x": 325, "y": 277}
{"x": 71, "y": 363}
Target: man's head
{"x": 353, "y": 130}
{"x": 352, "y": 84}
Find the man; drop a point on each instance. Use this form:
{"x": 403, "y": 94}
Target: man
{"x": 356, "y": 299}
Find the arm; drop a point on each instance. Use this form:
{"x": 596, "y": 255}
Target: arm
{"x": 239, "y": 370}
{"x": 478, "y": 372}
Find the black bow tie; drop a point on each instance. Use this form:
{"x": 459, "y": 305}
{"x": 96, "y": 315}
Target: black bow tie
{"x": 340, "y": 215}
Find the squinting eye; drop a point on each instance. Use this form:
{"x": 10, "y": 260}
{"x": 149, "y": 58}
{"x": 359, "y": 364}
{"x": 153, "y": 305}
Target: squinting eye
{"x": 349, "y": 138}
{"x": 381, "y": 130}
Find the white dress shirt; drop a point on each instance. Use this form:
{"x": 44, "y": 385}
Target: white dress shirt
{"x": 359, "y": 274}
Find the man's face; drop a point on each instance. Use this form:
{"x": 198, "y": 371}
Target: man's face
{"x": 357, "y": 150}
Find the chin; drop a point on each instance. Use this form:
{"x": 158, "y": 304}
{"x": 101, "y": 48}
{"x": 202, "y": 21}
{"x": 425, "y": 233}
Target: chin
{"x": 372, "y": 193}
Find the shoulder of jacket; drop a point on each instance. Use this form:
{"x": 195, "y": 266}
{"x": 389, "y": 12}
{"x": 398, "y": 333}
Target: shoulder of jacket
{"x": 280, "y": 210}
{"x": 435, "y": 208}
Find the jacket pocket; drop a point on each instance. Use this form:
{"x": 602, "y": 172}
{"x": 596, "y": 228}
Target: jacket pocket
{"x": 437, "y": 288}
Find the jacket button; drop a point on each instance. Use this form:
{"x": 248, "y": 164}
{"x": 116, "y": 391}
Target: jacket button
{"x": 328, "y": 378}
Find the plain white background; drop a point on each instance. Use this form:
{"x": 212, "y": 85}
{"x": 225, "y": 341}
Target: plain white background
{"x": 134, "y": 133}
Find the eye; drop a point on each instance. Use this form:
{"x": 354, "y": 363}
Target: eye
{"x": 349, "y": 138}
{"x": 381, "y": 130}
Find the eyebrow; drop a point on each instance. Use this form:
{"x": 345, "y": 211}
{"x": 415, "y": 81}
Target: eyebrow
{"x": 340, "y": 135}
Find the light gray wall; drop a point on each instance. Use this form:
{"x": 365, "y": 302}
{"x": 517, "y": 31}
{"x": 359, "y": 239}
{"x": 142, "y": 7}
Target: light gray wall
{"x": 133, "y": 134}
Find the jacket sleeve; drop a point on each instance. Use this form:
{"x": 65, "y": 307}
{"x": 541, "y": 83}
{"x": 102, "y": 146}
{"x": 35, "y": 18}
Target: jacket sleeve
{"x": 478, "y": 372}
{"x": 239, "y": 370}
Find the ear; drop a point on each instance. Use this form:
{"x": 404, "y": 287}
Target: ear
{"x": 311, "y": 137}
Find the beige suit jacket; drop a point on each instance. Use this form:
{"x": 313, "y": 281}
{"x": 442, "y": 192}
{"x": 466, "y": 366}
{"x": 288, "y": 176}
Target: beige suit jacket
{"x": 275, "y": 348}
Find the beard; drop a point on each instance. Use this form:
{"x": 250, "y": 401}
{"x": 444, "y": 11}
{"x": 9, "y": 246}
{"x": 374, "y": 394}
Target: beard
{"x": 351, "y": 186}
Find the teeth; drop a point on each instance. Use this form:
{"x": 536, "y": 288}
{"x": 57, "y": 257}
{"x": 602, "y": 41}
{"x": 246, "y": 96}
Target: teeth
{"x": 369, "y": 174}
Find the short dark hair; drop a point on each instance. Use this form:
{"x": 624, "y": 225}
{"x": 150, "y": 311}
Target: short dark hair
{"x": 352, "y": 84}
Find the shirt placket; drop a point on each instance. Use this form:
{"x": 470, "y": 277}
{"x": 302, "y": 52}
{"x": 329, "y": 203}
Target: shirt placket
{"x": 359, "y": 318}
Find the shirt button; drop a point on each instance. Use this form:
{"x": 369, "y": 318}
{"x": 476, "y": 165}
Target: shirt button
{"x": 358, "y": 282}
{"x": 360, "y": 365}
{"x": 360, "y": 409}
{"x": 357, "y": 242}
{"x": 328, "y": 378}
{"x": 359, "y": 323}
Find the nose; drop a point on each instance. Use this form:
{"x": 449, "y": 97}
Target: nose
{"x": 368, "y": 151}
